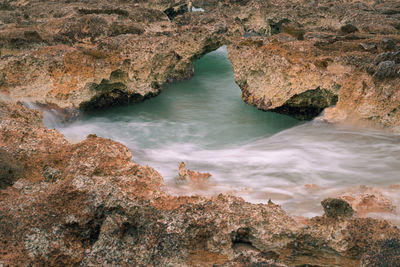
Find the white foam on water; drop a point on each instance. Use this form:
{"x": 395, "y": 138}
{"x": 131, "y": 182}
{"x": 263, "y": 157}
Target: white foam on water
{"x": 253, "y": 154}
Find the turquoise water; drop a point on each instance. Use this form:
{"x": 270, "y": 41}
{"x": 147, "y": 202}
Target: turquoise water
{"x": 206, "y": 110}
{"x": 254, "y": 154}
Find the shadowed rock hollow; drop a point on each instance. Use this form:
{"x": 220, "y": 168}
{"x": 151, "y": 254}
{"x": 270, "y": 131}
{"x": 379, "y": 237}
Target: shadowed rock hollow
{"x": 10, "y": 170}
{"x": 347, "y": 51}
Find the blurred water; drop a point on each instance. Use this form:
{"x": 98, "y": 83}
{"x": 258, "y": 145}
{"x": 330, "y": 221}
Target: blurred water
{"x": 254, "y": 154}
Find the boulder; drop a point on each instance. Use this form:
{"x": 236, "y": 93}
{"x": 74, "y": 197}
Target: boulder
{"x": 337, "y": 208}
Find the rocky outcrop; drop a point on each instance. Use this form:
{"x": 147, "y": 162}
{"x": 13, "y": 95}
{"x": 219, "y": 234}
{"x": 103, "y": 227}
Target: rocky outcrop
{"x": 365, "y": 200}
{"x": 297, "y": 58}
{"x": 335, "y": 208}
{"x": 90, "y": 54}
{"x": 314, "y": 55}
{"x": 371, "y": 97}
{"x": 89, "y": 204}
{"x": 20, "y": 145}
{"x": 286, "y": 77}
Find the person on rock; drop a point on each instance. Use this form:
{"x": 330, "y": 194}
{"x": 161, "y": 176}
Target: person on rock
{"x": 190, "y": 6}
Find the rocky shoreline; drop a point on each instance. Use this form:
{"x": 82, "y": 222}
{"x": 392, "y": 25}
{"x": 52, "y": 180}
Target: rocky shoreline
{"x": 294, "y": 58}
{"x": 87, "y": 58}
{"x": 89, "y": 204}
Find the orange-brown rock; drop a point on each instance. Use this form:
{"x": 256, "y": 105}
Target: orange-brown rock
{"x": 88, "y": 54}
{"x": 33, "y": 150}
{"x": 89, "y": 204}
{"x": 297, "y": 58}
{"x": 367, "y": 200}
{"x": 313, "y": 56}
{"x": 192, "y": 176}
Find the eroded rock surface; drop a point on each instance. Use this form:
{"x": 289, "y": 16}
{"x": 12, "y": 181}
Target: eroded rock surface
{"x": 192, "y": 176}
{"x": 297, "y": 58}
{"x": 313, "y": 55}
{"x": 91, "y": 54}
{"x": 89, "y": 204}
{"x": 336, "y": 208}
{"x": 365, "y": 200}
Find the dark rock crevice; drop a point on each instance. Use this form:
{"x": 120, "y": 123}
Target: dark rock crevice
{"x": 10, "y": 169}
{"x": 115, "y": 11}
{"x": 113, "y": 97}
{"x": 276, "y": 27}
{"x": 242, "y": 239}
{"x": 308, "y": 105}
{"x": 111, "y": 92}
{"x": 175, "y": 11}
{"x": 88, "y": 233}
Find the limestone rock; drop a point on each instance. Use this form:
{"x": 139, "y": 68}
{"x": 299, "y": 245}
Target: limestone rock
{"x": 89, "y": 55}
{"x": 103, "y": 208}
{"x": 287, "y": 77}
{"x": 341, "y": 63}
{"x": 366, "y": 199}
{"x": 336, "y": 208}
{"x": 192, "y": 176}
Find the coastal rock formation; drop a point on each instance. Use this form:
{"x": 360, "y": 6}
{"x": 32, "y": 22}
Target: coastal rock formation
{"x": 89, "y": 55}
{"x": 20, "y": 145}
{"x": 89, "y": 204}
{"x": 286, "y": 77}
{"x": 314, "y": 55}
{"x": 336, "y": 208}
{"x": 297, "y": 58}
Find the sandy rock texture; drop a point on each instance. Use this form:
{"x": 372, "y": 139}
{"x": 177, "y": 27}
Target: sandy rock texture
{"x": 294, "y": 57}
{"x": 365, "y": 200}
{"x": 89, "y": 204}
{"x": 310, "y": 55}
{"x": 90, "y": 54}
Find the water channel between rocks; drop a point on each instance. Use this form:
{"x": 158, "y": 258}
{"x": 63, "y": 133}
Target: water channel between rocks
{"x": 254, "y": 154}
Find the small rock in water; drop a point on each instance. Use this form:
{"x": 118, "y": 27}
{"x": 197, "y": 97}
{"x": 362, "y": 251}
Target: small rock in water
{"x": 188, "y": 175}
{"x": 334, "y": 208}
